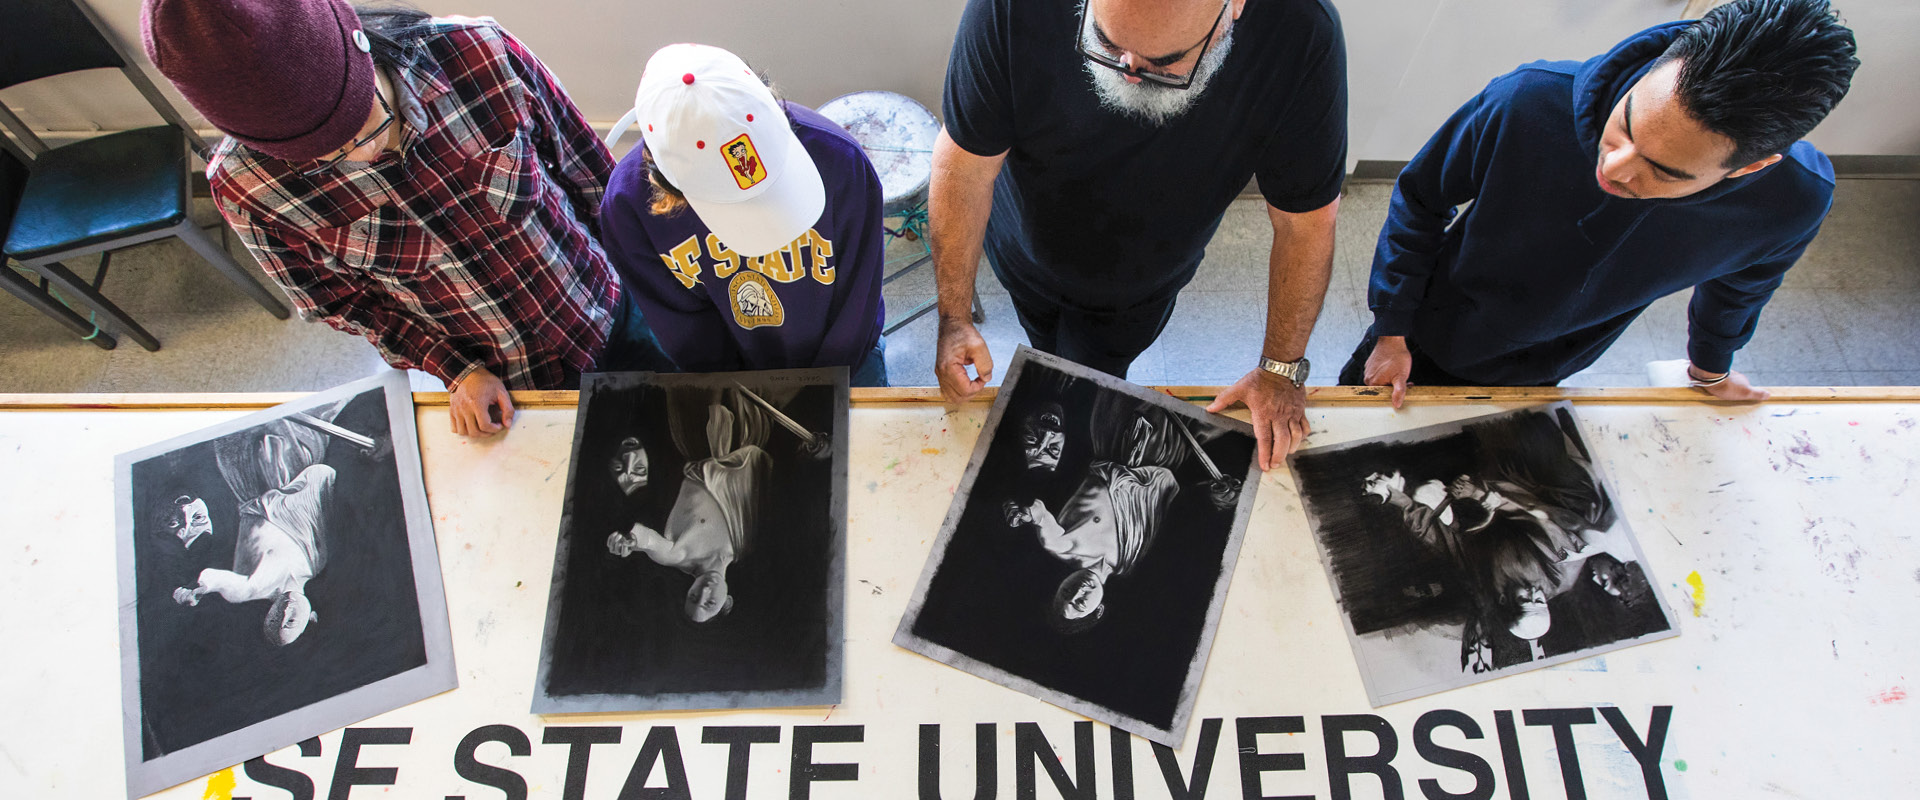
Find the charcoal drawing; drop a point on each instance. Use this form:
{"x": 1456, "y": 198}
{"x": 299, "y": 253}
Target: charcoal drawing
{"x": 1088, "y": 547}
{"x": 700, "y": 549}
{"x": 279, "y": 580}
{"x": 1470, "y": 550}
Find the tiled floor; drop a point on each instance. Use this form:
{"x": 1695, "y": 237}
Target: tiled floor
{"x": 1846, "y": 316}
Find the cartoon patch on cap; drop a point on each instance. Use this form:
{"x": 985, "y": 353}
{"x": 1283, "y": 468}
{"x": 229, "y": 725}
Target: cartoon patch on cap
{"x": 744, "y": 162}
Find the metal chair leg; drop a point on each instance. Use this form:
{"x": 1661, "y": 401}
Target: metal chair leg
{"x": 102, "y": 307}
{"x": 25, "y": 290}
{"x": 223, "y": 261}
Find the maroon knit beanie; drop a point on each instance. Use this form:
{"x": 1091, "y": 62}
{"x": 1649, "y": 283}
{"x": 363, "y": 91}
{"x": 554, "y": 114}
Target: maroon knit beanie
{"x": 288, "y": 78}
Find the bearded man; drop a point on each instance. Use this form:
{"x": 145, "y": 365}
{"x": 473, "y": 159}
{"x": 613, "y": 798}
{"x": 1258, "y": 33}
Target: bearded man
{"x": 1091, "y": 148}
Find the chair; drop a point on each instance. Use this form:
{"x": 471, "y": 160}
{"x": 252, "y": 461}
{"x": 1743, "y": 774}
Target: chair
{"x": 104, "y": 193}
{"x": 13, "y": 181}
{"x": 897, "y": 134}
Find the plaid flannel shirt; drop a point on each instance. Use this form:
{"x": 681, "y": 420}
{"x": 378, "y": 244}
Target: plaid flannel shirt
{"x": 475, "y": 246}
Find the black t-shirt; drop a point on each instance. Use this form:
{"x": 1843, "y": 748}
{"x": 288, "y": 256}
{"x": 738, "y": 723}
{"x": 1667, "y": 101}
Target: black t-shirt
{"x": 1102, "y": 212}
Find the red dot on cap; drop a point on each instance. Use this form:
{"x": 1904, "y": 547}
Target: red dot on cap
{"x": 687, "y": 78}
{"x": 649, "y": 128}
{"x": 699, "y": 145}
{"x": 749, "y": 117}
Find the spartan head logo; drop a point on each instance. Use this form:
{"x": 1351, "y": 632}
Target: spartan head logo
{"x": 753, "y": 301}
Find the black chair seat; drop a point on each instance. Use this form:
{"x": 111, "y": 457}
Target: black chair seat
{"x": 100, "y": 190}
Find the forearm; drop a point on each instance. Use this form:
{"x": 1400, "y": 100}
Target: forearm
{"x": 958, "y": 204}
{"x": 1724, "y": 314}
{"x": 232, "y": 586}
{"x": 1052, "y": 536}
{"x": 1446, "y": 172}
{"x": 663, "y": 552}
{"x": 1298, "y": 269}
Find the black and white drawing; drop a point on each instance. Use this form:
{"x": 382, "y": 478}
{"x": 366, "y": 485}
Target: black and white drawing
{"x": 1470, "y": 550}
{"x": 1088, "y": 549}
{"x": 701, "y": 547}
{"x": 278, "y": 580}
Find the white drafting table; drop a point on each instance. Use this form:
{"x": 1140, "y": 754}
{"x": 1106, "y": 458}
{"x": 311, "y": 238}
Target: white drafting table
{"x": 1782, "y": 535}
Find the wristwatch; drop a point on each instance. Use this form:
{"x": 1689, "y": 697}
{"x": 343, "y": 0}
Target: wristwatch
{"x": 1295, "y": 371}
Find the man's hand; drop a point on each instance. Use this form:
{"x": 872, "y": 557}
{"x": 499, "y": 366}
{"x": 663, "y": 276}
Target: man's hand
{"x": 818, "y": 448}
{"x": 186, "y": 597}
{"x": 1016, "y": 515}
{"x": 1224, "y": 492}
{"x": 1735, "y": 388}
{"x": 620, "y": 544}
{"x": 1464, "y": 488}
{"x": 1279, "y": 413}
{"x": 1389, "y": 365}
{"x": 473, "y": 401}
{"x": 960, "y": 346}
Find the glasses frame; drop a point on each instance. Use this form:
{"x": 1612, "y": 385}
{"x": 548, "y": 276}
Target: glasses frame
{"x": 377, "y": 132}
{"x": 1168, "y": 81}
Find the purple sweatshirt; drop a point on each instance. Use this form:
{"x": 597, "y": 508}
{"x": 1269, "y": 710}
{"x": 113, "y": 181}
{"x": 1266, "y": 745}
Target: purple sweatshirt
{"x": 815, "y": 303}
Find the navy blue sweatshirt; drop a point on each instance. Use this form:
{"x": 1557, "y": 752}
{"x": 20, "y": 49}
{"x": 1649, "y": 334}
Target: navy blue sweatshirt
{"x": 1545, "y": 270}
{"x": 814, "y": 303}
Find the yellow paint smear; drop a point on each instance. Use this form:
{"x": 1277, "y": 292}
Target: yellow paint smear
{"x": 1699, "y": 592}
{"x": 220, "y": 785}
{"x": 932, "y": 451}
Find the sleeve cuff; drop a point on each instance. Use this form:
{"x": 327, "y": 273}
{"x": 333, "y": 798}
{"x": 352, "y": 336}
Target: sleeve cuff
{"x": 442, "y": 360}
{"x": 1709, "y": 359}
{"x": 1392, "y": 323}
{"x": 983, "y": 149}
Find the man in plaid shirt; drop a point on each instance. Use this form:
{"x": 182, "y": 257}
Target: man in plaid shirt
{"x": 442, "y": 205}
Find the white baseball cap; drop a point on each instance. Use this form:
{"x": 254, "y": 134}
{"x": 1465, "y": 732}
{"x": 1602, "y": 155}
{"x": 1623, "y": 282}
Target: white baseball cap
{"x": 719, "y": 136}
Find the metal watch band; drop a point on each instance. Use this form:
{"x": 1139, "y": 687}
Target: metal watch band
{"x": 1295, "y": 371}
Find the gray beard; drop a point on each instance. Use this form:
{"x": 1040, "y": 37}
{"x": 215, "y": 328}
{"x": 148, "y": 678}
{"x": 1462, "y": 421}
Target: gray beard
{"x": 1148, "y": 102}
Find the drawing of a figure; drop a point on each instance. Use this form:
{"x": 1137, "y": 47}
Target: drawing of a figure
{"x": 630, "y": 466}
{"x": 275, "y": 473}
{"x": 1043, "y": 437}
{"x": 1609, "y": 601}
{"x": 1110, "y": 521}
{"x": 1508, "y": 534}
{"x": 186, "y": 520}
{"x": 723, "y": 435}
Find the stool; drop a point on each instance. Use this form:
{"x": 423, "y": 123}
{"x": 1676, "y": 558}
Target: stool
{"x": 897, "y": 135}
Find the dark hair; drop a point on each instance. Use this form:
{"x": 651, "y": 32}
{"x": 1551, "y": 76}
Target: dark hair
{"x": 167, "y": 516}
{"x": 1114, "y": 424}
{"x": 1510, "y": 547}
{"x": 395, "y": 30}
{"x": 1763, "y": 72}
{"x": 1047, "y": 417}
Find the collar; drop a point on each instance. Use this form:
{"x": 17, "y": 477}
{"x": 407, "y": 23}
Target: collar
{"x": 414, "y": 89}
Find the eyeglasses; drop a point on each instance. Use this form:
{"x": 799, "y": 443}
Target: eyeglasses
{"x": 330, "y": 163}
{"x": 1107, "y": 60}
